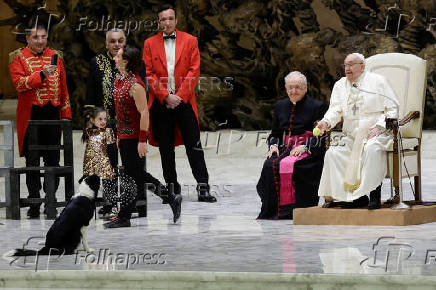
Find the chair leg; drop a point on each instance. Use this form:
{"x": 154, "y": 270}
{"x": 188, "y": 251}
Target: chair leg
{"x": 13, "y": 197}
{"x": 417, "y": 181}
{"x": 50, "y": 194}
{"x": 69, "y": 186}
{"x": 418, "y": 189}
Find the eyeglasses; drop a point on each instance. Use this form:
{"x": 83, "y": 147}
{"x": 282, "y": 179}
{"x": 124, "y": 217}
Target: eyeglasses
{"x": 295, "y": 87}
{"x": 350, "y": 64}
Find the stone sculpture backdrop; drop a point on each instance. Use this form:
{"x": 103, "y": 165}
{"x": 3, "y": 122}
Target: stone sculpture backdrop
{"x": 248, "y": 46}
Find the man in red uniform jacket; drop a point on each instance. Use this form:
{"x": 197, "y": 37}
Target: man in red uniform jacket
{"x": 172, "y": 61}
{"x": 42, "y": 95}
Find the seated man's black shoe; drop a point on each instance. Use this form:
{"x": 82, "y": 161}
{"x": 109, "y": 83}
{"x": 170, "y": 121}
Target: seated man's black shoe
{"x": 117, "y": 223}
{"x": 329, "y": 204}
{"x": 375, "y": 198}
{"x": 142, "y": 211}
{"x": 33, "y": 212}
{"x": 176, "y": 206}
{"x": 357, "y": 203}
{"x": 203, "y": 191}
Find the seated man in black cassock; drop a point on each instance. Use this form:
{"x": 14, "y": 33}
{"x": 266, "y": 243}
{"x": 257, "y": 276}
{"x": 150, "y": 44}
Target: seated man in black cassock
{"x": 291, "y": 173}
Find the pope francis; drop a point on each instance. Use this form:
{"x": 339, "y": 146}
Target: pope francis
{"x": 355, "y": 167}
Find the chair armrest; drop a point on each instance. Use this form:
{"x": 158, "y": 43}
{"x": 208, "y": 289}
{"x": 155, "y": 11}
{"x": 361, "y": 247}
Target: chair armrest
{"x": 409, "y": 117}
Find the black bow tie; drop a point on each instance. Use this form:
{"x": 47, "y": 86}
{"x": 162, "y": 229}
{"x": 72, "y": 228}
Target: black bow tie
{"x": 172, "y": 36}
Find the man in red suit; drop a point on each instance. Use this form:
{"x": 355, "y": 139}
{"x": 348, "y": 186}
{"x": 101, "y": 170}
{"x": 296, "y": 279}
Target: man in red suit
{"x": 42, "y": 95}
{"x": 172, "y": 60}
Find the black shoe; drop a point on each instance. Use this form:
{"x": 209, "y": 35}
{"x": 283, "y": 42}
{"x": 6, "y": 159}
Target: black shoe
{"x": 375, "y": 198}
{"x": 117, "y": 223}
{"x": 176, "y": 206}
{"x": 33, "y": 212}
{"x": 142, "y": 211}
{"x": 105, "y": 209}
{"x": 206, "y": 198}
{"x": 329, "y": 204}
{"x": 357, "y": 203}
{"x": 203, "y": 191}
{"x": 164, "y": 201}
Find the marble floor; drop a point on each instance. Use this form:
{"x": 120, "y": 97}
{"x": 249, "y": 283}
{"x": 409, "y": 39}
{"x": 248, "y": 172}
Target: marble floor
{"x": 226, "y": 237}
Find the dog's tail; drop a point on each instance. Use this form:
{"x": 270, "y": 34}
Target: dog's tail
{"x": 21, "y": 252}
{"x": 27, "y": 252}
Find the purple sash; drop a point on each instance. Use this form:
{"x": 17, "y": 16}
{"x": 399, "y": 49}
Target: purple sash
{"x": 287, "y": 190}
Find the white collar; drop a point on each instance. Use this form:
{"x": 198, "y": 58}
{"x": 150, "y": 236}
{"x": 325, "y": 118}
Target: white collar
{"x": 85, "y": 190}
{"x": 174, "y": 33}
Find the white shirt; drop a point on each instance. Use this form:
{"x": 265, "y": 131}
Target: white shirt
{"x": 170, "y": 52}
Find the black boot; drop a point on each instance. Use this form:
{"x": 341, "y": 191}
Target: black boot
{"x": 204, "y": 194}
{"x": 175, "y": 188}
{"x": 375, "y": 198}
{"x": 174, "y": 200}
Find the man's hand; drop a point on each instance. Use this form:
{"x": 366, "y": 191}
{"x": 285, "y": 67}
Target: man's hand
{"x": 142, "y": 149}
{"x": 48, "y": 70}
{"x": 274, "y": 149}
{"x": 297, "y": 151}
{"x": 322, "y": 126}
{"x": 374, "y": 132}
{"x": 172, "y": 101}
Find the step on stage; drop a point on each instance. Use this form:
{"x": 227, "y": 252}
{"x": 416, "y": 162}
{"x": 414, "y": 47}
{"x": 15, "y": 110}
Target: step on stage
{"x": 417, "y": 214}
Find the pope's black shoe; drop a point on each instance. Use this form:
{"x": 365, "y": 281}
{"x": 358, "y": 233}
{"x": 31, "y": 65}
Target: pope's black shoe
{"x": 375, "y": 198}
{"x": 357, "y": 203}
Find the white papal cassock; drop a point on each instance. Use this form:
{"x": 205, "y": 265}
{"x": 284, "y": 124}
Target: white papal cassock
{"x": 354, "y": 165}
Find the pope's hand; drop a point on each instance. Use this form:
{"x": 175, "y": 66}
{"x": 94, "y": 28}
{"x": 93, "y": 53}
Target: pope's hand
{"x": 374, "y": 132}
{"x": 322, "y": 126}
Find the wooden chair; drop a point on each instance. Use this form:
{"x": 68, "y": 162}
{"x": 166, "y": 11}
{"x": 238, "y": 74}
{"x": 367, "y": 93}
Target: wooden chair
{"x": 8, "y": 156}
{"x": 407, "y": 75}
{"x": 49, "y": 173}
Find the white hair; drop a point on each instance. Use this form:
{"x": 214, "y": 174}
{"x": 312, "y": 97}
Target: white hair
{"x": 359, "y": 56}
{"x": 115, "y": 30}
{"x": 298, "y": 74}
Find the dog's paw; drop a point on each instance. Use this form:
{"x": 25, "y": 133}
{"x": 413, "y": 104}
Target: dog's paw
{"x": 90, "y": 251}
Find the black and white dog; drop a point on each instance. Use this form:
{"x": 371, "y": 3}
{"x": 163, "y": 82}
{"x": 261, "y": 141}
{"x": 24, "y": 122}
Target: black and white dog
{"x": 71, "y": 226}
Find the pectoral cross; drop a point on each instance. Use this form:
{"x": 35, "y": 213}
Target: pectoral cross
{"x": 354, "y": 108}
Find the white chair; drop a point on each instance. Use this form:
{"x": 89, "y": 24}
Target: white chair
{"x": 407, "y": 75}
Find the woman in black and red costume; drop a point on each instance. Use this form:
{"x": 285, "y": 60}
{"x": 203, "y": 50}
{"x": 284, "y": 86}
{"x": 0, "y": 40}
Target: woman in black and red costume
{"x": 132, "y": 125}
